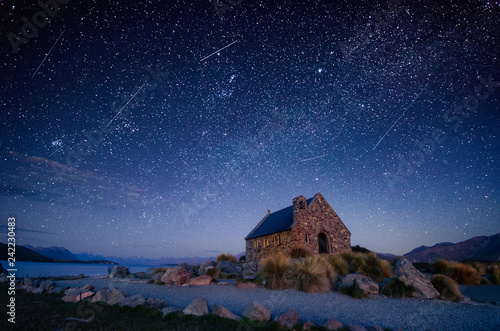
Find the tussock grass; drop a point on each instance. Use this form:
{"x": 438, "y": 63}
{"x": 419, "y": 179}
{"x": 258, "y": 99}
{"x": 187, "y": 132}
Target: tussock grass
{"x": 331, "y": 274}
{"x": 354, "y": 260}
{"x": 310, "y": 275}
{"x": 298, "y": 252}
{"x": 440, "y": 266}
{"x": 372, "y": 267}
{"x": 213, "y": 272}
{"x": 397, "y": 288}
{"x": 463, "y": 274}
{"x": 339, "y": 264}
{"x": 495, "y": 276}
{"x": 354, "y": 291}
{"x": 226, "y": 257}
{"x": 387, "y": 269}
{"x": 447, "y": 287}
{"x": 276, "y": 271}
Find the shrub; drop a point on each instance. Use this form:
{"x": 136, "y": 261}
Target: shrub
{"x": 354, "y": 291}
{"x": 276, "y": 271}
{"x": 226, "y": 257}
{"x": 242, "y": 258}
{"x": 447, "y": 287}
{"x": 310, "y": 275}
{"x": 213, "y": 272}
{"x": 339, "y": 264}
{"x": 495, "y": 276}
{"x": 441, "y": 267}
{"x": 299, "y": 252}
{"x": 359, "y": 249}
{"x": 463, "y": 274}
{"x": 397, "y": 288}
{"x": 354, "y": 260}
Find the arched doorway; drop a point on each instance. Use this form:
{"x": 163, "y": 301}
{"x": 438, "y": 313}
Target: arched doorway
{"x": 323, "y": 243}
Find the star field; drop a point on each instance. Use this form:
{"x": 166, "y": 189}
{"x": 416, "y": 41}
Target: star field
{"x": 169, "y": 129}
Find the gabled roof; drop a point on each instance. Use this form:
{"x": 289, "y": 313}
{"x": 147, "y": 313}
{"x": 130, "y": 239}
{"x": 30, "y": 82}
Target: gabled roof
{"x": 278, "y": 221}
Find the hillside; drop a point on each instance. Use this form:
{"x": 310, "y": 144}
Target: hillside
{"x": 482, "y": 248}
{"x": 23, "y": 254}
{"x": 53, "y": 252}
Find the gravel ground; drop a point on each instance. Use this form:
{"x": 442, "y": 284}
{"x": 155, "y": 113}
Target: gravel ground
{"x": 408, "y": 314}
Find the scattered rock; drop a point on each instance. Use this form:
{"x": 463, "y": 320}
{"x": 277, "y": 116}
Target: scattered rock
{"x": 197, "y": 307}
{"x": 406, "y": 272}
{"x": 354, "y": 327}
{"x": 168, "y": 310}
{"x": 77, "y": 296}
{"x": 256, "y": 311}
{"x": 70, "y": 290}
{"x": 26, "y": 283}
{"x": 116, "y": 295}
{"x": 227, "y": 267}
{"x": 333, "y": 324}
{"x": 223, "y": 283}
{"x": 366, "y": 284}
{"x": 246, "y": 285}
{"x": 119, "y": 272}
{"x": 150, "y": 272}
{"x": 155, "y": 303}
{"x": 205, "y": 265}
{"x": 38, "y": 290}
{"x": 133, "y": 301}
{"x": 56, "y": 290}
{"x": 175, "y": 276}
{"x": 308, "y": 325}
{"x": 250, "y": 270}
{"x": 36, "y": 282}
{"x": 200, "y": 280}
{"x": 47, "y": 284}
{"x": 223, "y": 312}
{"x": 102, "y": 295}
{"x": 375, "y": 328}
{"x": 157, "y": 277}
{"x": 87, "y": 287}
{"x": 288, "y": 319}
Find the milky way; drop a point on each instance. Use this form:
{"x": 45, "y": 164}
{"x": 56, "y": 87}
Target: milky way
{"x": 169, "y": 129}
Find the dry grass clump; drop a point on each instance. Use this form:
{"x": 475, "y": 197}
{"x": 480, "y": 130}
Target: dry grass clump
{"x": 298, "y": 252}
{"x": 447, "y": 287}
{"x": 440, "y": 266}
{"x": 372, "y": 267}
{"x": 354, "y": 260}
{"x": 276, "y": 271}
{"x": 495, "y": 276}
{"x": 387, "y": 269}
{"x": 339, "y": 264}
{"x": 479, "y": 266}
{"x": 226, "y": 257}
{"x": 464, "y": 274}
{"x": 397, "y": 288}
{"x": 213, "y": 272}
{"x": 331, "y": 274}
{"x": 310, "y": 275}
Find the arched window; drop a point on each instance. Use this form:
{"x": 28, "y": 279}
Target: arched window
{"x": 323, "y": 243}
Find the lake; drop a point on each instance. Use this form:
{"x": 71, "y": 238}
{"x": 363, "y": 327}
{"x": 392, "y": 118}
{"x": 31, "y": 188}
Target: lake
{"x": 49, "y": 269}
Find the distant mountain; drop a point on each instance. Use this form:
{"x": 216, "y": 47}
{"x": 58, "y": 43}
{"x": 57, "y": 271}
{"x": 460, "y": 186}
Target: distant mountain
{"x": 53, "y": 252}
{"x": 23, "y": 254}
{"x": 482, "y": 248}
{"x": 386, "y": 256}
{"x": 143, "y": 260}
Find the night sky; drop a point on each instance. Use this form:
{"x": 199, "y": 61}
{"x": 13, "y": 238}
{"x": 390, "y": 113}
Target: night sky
{"x": 125, "y": 133}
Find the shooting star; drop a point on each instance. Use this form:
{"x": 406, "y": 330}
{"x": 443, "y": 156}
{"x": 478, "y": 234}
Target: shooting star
{"x": 399, "y": 117}
{"x": 120, "y": 111}
{"x": 46, "y": 55}
{"x": 312, "y": 158}
{"x": 217, "y": 51}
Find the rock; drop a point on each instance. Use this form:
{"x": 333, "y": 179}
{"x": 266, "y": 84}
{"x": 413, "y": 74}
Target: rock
{"x": 227, "y": 267}
{"x": 150, "y": 272}
{"x": 70, "y": 290}
{"x": 223, "y": 283}
{"x": 223, "y": 312}
{"x": 38, "y": 290}
{"x": 197, "y": 307}
{"x": 155, "y": 303}
{"x": 3, "y": 278}
{"x": 168, "y": 310}
{"x": 205, "y": 265}
{"x": 192, "y": 269}
{"x": 250, "y": 270}
{"x": 354, "y": 327}
{"x": 256, "y": 311}
{"x": 26, "y": 283}
{"x": 308, "y": 325}
{"x": 407, "y": 273}
{"x": 47, "y": 284}
{"x": 77, "y": 296}
{"x": 288, "y": 319}
{"x": 36, "y": 282}
{"x": 56, "y": 290}
{"x": 375, "y": 328}
{"x": 175, "y": 276}
{"x": 87, "y": 287}
{"x": 157, "y": 277}
{"x": 102, "y": 295}
{"x": 200, "y": 280}
{"x": 246, "y": 285}
{"x": 116, "y": 295}
{"x": 119, "y": 272}
{"x": 133, "y": 301}
{"x": 366, "y": 284}
{"x": 333, "y": 324}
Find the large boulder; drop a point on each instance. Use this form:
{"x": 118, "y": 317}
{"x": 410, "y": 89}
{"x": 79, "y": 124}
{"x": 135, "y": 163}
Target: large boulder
{"x": 250, "y": 270}
{"x": 119, "y": 272}
{"x": 223, "y": 312}
{"x": 197, "y": 307}
{"x": 288, "y": 319}
{"x": 133, "y": 301}
{"x": 47, "y": 285}
{"x": 157, "y": 277}
{"x": 102, "y": 295}
{"x": 227, "y": 267}
{"x": 200, "y": 280}
{"x": 116, "y": 295}
{"x": 257, "y": 312}
{"x": 407, "y": 273}
{"x": 366, "y": 284}
{"x": 175, "y": 276}
{"x": 152, "y": 271}
{"x": 205, "y": 265}
{"x": 77, "y": 296}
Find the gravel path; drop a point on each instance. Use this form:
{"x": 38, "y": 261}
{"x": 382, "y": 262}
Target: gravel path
{"x": 408, "y": 314}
